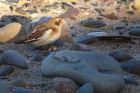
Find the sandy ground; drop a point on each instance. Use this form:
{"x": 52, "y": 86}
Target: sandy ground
{"x": 87, "y": 10}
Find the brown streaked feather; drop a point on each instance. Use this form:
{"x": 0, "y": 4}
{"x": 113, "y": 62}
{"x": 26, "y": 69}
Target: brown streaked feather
{"x": 39, "y": 31}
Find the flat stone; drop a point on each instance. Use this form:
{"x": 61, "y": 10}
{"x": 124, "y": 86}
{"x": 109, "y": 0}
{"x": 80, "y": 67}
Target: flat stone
{"x": 83, "y": 67}
{"x": 86, "y": 88}
{"x": 6, "y": 70}
{"x": 93, "y": 23}
{"x": 84, "y": 39}
{"x": 4, "y": 87}
{"x": 12, "y": 57}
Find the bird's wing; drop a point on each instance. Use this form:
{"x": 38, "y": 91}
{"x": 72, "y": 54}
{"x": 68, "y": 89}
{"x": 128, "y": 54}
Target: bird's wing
{"x": 35, "y": 35}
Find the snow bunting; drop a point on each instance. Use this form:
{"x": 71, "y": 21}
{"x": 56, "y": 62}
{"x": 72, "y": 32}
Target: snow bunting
{"x": 45, "y": 33}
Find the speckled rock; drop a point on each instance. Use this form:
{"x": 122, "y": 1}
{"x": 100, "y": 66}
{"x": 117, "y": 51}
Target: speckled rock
{"x": 6, "y": 70}
{"x": 135, "y": 31}
{"x": 120, "y": 55}
{"x": 86, "y": 88}
{"x": 23, "y": 90}
{"x": 19, "y": 83}
{"x": 12, "y": 57}
{"x": 132, "y": 66}
{"x": 92, "y": 23}
{"x": 77, "y": 65}
{"x": 63, "y": 85}
{"x": 4, "y": 87}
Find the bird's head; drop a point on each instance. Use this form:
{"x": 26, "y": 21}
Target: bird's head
{"x": 56, "y": 22}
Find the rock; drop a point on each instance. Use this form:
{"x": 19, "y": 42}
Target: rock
{"x": 120, "y": 56}
{"x": 4, "y": 87}
{"x": 83, "y": 67}
{"x": 37, "y": 57}
{"x": 19, "y": 83}
{"x": 86, "y": 88}
{"x": 9, "y": 31}
{"x": 42, "y": 2}
{"x": 84, "y": 39}
{"x": 92, "y": 23}
{"x": 135, "y": 31}
{"x": 89, "y": 37}
{"x": 130, "y": 80}
{"x": 137, "y": 4}
{"x": 12, "y": 1}
{"x": 99, "y": 33}
{"x": 12, "y": 57}
{"x": 22, "y": 90}
{"x": 6, "y": 70}
{"x": 63, "y": 85}
{"x": 66, "y": 6}
{"x": 132, "y": 66}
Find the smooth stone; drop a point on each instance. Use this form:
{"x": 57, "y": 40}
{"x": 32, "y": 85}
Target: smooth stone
{"x": 130, "y": 80}
{"x": 120, "y": 55}
{"x": 19, "y": 83}
{"x": 135, "y": 31}
{"x": 4, "y": 87}
{"x": 99, "y": 33}
{"x": 12, "y": 57}
{"x": 84, "y": 39}
{"x": 6, "y": 70}
{"x": 83, "y": 67}
{"x": 132, "y": 66}
{"x": 93, "y": 23}
{"x": 23, "y": 90}
{"x": 37, "y": 57}
{"x": 137, "y": 4}
{"x": 9, "y": 32}
{"x": 64, "y": 85}
{"x": 86, "y": 88}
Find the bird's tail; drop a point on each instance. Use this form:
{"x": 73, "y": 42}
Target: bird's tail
{"x": 19, "y": 42}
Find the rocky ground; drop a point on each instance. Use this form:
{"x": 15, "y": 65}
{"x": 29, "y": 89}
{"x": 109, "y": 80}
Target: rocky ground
{"x": 21, "y": 66}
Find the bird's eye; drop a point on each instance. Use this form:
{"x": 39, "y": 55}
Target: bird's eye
{"x": 57, "y": 23}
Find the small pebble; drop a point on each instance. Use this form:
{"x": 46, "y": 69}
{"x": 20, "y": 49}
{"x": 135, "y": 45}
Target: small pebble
{"x": 93, "y": 23}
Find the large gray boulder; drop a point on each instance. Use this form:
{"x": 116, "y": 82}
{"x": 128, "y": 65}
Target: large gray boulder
{"x": 83, "y": 67}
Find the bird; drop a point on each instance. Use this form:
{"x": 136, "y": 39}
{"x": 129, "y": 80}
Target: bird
{"x": 45, "y": 33}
